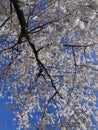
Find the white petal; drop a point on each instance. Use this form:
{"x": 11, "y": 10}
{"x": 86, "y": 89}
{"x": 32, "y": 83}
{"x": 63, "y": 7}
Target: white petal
{"x": 82, "y": 26}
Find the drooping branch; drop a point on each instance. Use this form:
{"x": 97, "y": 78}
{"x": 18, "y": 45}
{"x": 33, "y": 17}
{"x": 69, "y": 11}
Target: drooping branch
{"x": 4, "y": 22}
{"x": 20, "y": 16}
{"x": 24, "y": 33}
{"x": 9, "y": 48}
{"x": 41, "y": 27}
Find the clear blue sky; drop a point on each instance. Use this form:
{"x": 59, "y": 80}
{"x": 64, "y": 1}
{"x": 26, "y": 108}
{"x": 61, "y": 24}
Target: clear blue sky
{"x": 5, "y": 117}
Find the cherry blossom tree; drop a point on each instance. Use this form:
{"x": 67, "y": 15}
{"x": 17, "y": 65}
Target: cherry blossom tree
{"x": 49, "y": 62}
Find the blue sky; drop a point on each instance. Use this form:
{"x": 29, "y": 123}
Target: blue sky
{"x": 5, "y": 117}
